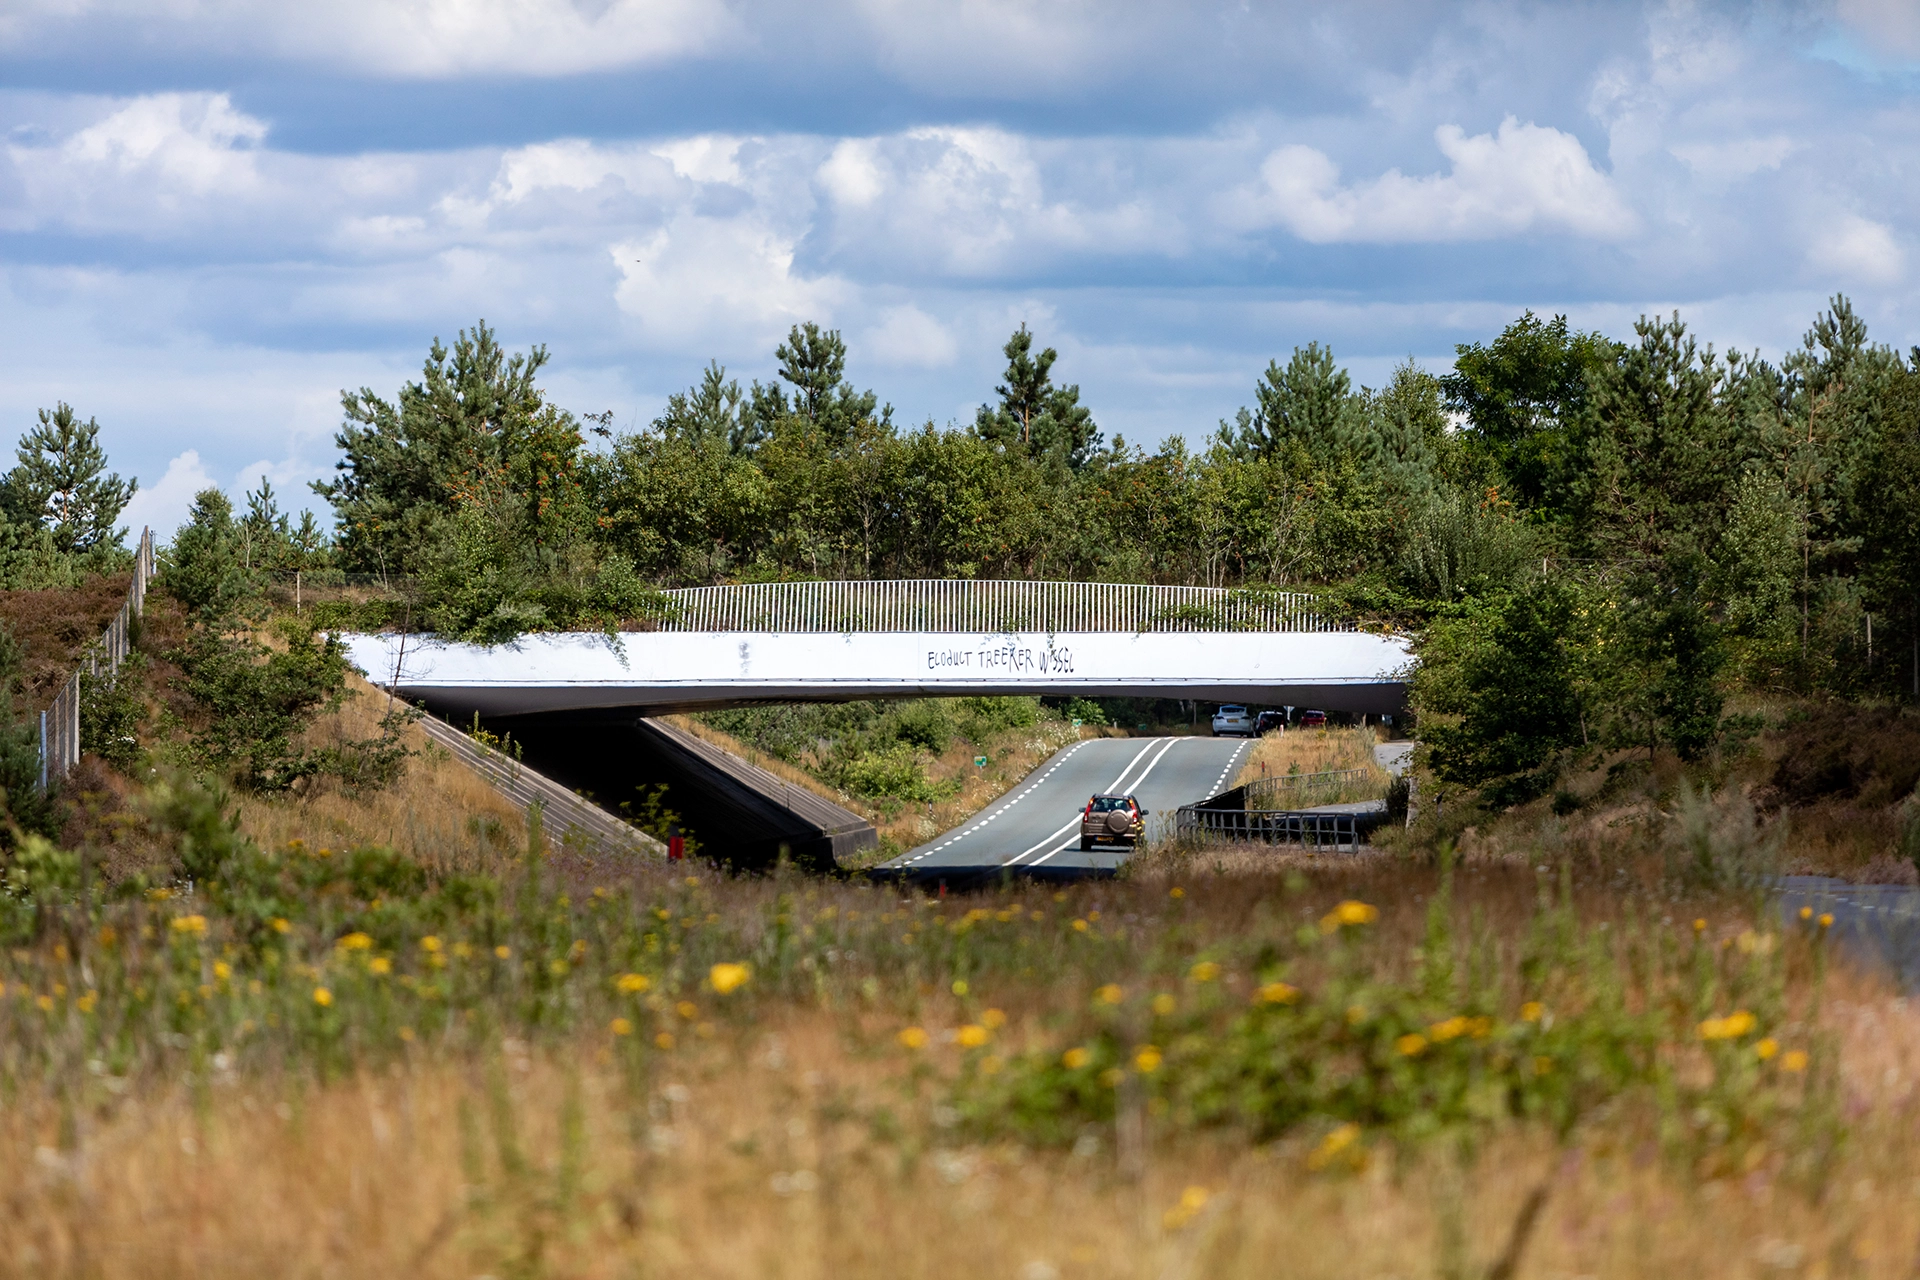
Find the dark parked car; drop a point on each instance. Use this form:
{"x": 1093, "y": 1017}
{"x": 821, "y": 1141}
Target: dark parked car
{"x": 1268, "y": 722}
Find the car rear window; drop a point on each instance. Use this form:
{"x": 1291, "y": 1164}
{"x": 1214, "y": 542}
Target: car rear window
{"x": 1233, "y": 711}
{"x": 1107, "y": 804}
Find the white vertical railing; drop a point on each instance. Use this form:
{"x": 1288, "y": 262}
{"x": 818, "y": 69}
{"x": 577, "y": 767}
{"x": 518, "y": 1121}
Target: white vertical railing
{"x": 982, "y": 606}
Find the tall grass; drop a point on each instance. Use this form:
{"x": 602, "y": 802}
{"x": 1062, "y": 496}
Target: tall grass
{"x": 316, "y": 1059}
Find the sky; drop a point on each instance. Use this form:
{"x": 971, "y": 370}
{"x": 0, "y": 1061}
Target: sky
{"x": 215, "y": 215}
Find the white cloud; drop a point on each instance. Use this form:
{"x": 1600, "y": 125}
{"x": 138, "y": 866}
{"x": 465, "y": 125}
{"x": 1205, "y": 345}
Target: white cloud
{"x": 164, "y": 504}
{"x": 908, "y": 337}
{"x": 1893, "y": 24}
{"x": 1857, "y": 249}
{"x": 1725, "y": 162}
{"x": 700, "y": 279}
{"x": 427, "y": 39}
{"x": 1523, "y": 178}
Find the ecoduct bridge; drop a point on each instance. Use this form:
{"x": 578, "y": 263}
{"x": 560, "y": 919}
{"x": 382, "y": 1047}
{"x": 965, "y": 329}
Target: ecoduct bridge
{"x": 839, "y": 641}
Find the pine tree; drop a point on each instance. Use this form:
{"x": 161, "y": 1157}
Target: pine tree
{"x": 62, "y": 483}
{"x": 1035, "y": 415}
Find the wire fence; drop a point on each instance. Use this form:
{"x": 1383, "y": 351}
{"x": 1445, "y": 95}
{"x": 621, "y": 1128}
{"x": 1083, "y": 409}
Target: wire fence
{"x": 60, "y": 723}
{"x": 986, "y": 606}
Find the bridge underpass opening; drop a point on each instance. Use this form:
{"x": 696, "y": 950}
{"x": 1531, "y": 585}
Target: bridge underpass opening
{"x": 721, "y": 647}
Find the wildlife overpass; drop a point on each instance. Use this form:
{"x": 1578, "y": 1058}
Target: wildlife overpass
{"x": 713, "y": 647}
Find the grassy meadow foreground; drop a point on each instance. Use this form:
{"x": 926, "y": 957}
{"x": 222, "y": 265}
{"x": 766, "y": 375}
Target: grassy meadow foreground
{"x": 338, "y": 1060}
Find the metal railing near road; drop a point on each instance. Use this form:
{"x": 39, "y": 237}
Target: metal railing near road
{"x": 1314, "y": 829}
{"x": 986, "y": 606}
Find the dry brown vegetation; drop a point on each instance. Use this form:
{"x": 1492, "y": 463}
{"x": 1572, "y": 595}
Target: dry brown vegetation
{"x": 795, "y": 1137}
{"x": 1311, "y": 751}
{"x": 439, "y": 812}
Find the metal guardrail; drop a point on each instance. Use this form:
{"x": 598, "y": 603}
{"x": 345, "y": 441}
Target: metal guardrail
{"x": 986, "y": 606}
{"x": 60, "y": 723}
{"x": 569, "y": 818}
{"x": 1313, "y": 829}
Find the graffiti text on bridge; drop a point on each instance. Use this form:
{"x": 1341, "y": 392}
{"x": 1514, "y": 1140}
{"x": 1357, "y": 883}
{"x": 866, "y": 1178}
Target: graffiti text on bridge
{"x": 1011, "y": 658}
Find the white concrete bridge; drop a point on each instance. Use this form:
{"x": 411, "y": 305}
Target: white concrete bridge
{"x": 839, "y": 641}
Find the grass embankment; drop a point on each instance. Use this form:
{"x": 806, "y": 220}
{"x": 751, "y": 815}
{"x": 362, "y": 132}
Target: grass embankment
{"x": 1293, "y": 759}
{"x": 439, "y": 812}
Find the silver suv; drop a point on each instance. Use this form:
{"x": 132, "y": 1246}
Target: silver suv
{"x": 1232, "y": 719}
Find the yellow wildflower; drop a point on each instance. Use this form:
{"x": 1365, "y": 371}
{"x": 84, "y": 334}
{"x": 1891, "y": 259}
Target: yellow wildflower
{"x": 728, "y": 978}
{"x": 620, "y": 1027}
{"x": 1766, "y": 1048}
{"x": 1205, "y": 971}
{"x": 322, "y": 997}
{"x": 960, "y": 987}
{"x": 1806, "y": 913}
{"x": 1349, "y": 912}
{"x": 1164, "y": 1004}
{"x": 281, "y": 924}
{"x": 1732, "y": 1027}
{"x": 1147, "y": 1060}
{"x": 195, "y": 925}
{"x": 972, "y": 1036}
{"x": 557, "y": 967}
{"x": 503, "y": 951}
{"x": 1075, "y": 1058}
{"x": 46, "y": 1002}
{"x": 1532, "y": 1011}
{"x": 1700, "y": 925}
{"x": 86, "y": 1002}
{"x": 1277, "y": 993}
{"x": 1794, "y": 1060}
{"x": 1826, "y": 920}
{"x": 380, "y": 965}
{"x": 1079, "y": 926}
{"x": 664, "y": 1040}
{"x": 1330, "y": 1147}
{"x": 1109, "y": 994}
{"x": 687, "y": 1009}
{"x": 1411, "y": 1044}
{"x": 633, "y": 983}
{"x": 992, "y": 1019}
{"x": 1192, "y": 1201}
{"x": 912, "y": 1038}
{"x": 355, "y": 942}
{"x": 430, "y": 943}
{"x": 406, "y": 1034}
{"x": 1176, "y": 892}
{"x": 222, "y": 970}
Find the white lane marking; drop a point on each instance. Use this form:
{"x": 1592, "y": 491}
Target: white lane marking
{"x": 1229, "y": 769}
{"x": 1074, "y": 844}
{"x": 981, "y": 824}
{"x": 1114, "y": 785}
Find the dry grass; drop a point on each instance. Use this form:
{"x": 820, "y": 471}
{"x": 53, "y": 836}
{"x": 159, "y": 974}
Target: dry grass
{"x": 440, "y": 812}
{"x": 1310, "y": 751}
{"x": 761, "y": 1152}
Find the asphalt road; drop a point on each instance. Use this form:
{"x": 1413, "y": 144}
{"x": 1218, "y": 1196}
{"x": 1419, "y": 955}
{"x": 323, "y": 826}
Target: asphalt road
{"x": 1035, "y": 828}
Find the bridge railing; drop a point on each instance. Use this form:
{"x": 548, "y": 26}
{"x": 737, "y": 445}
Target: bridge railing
{"x": 985, "y": 606}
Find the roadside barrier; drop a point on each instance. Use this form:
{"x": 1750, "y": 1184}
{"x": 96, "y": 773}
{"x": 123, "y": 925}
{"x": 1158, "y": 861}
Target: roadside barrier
{"x": 60, "y": 723}
{"x": 1314, "y": 829}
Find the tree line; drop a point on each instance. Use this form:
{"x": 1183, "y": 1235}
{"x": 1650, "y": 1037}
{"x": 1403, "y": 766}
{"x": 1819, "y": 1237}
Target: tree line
{"x": 1595, "y": 541}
